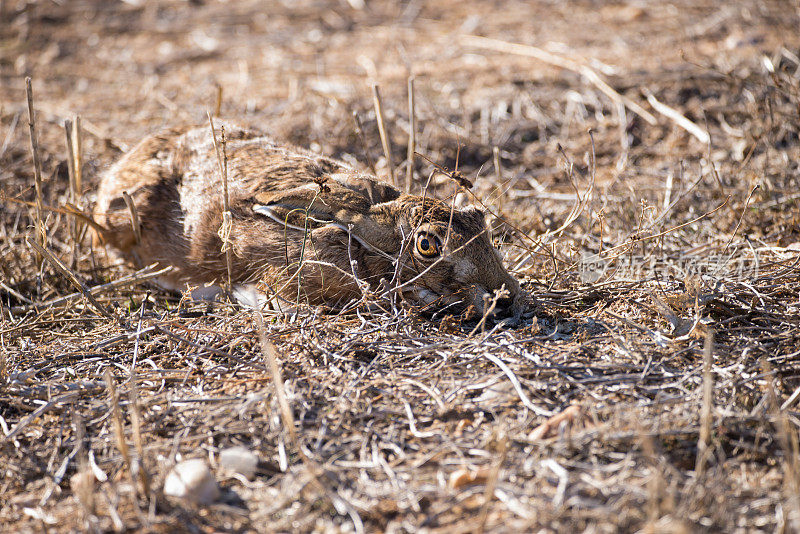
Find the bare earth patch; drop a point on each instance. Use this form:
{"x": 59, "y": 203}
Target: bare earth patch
{"x": 641, "y": 164}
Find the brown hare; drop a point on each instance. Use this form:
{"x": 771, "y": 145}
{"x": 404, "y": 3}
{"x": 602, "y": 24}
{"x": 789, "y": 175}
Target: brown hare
{"x": 304, "y": 227}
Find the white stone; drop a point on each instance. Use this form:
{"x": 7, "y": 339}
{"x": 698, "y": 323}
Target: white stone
{"x": 238, "y": 460}
{"x": 192, "y": 480}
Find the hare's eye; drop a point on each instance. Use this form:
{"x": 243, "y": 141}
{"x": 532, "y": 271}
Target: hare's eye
{"x": 427, "y": 245}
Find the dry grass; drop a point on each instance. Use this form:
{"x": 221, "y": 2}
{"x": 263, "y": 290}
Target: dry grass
{"x": 603, "y": 413}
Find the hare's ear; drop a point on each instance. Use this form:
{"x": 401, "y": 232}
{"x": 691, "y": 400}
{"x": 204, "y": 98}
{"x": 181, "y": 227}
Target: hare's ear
{"x": 310, "y": 207}
{"x": 373, "y": 190}
{"x": 475, "y": 210}
{"x": 294, "y": 218}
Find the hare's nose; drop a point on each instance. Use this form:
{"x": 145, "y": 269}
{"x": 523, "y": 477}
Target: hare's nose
{"x": 503, "y": 306}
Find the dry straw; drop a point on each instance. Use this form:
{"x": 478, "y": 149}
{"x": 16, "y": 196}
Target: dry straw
{"x": 138, "y": 440}
{"x": 561, "y": 62}
{"x": 41, "y": 233}
{"x": 69, "y": 275}
{"x": 704, "y": 435}
{"x": 77, "y": 155}
{"x": 227, "y": 218}
{"x": 412, "y": 135}
{"x": 385, "y": 141}
{"x": 119, "y": 431}
{"x": 71, "y": 174}
{"x": 136, "y": 224}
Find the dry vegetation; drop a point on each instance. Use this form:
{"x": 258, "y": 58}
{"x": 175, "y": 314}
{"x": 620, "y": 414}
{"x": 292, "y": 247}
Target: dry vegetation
{"x": 641, "y": 240}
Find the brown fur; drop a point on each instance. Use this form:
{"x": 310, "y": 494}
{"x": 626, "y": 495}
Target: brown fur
{"x": 355, "y": 231}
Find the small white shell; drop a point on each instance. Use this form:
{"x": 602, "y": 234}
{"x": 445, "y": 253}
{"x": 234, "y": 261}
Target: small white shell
{"x": 238, "y": 460}
{"x": 192, "y": 480}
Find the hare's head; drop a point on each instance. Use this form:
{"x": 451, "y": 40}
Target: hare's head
{"x": 429, "y": 252}
{"x": 446, "y": 257}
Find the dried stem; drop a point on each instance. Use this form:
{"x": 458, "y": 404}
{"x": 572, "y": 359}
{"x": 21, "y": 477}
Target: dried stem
{"x": 138, "y": 441}
{"x": 227, "y": 220}
{"x": 498, "y": 176}
{"x": 77, "y": 155}
{"x": 41, "y": 233}
{"x": 491, "y": 482}
{"x": 385, "y": 142}
{"x": 708, "y": 399}
{"x": 74, "y": 225}
{"x": 134, "y": 214}
{"x": 139, "y": 277}
{"x": 741, "y": 217}
{"x": 412, "y": 136}
{"x": 218, "y": 103}
{"x": 119, "y": 428}
{"x": 315, "y": 470}
{"x": 70, "y": 159}
{"x": 71, "y": 276}
{"x": 676, "y": 117}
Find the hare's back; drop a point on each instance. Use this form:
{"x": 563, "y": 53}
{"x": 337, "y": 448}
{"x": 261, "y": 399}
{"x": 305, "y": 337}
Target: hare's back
{"x": 176, "y": 173}
{"x": 254, "y": 163}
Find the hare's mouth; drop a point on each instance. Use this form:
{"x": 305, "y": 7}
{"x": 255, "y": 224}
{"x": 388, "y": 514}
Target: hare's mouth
{"x": 431, "y": 301}
{"x": 495, "y": 306}
{"x": 498, "y": 304}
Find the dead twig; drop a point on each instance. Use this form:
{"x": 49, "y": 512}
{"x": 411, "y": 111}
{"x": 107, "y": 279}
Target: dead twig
{"x": 227, "y": 218}
{"x": 741, "y": 217}
{"x": 140, "y": 276}
{"x": 41, "y": 233}
{"x": 562, "y": 62}
{"x": 134, "y": 214}
{"x": 676, "y": 117}
{"x": 385, "y": 141}
{"x": 705, "y": 412}
{"x": 71, "y": 277}
{"x": 412, "y": 136}
{"x": 77, "y": 156}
